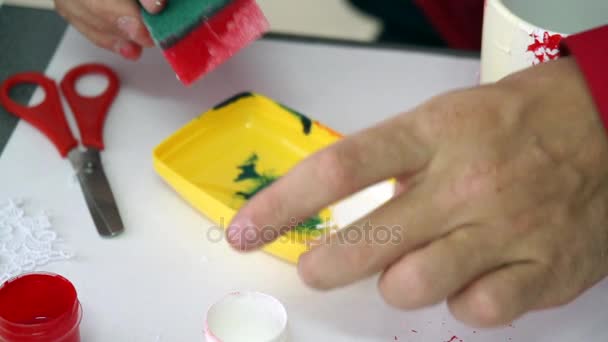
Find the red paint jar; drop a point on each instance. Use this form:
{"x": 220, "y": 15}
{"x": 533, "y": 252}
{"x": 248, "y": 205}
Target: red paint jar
{"x": 39, "y": 307}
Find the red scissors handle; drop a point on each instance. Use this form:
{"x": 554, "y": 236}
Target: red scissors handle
{"x": 90, "y": 112}
{"x": 47, "y": 116}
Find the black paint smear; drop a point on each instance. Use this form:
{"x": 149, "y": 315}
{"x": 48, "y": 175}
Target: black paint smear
{"x": 262, "y": 181}
{"x": 249, "y": 172}
{"x": 306, "y": 122}
{"x": 233, "y": 99}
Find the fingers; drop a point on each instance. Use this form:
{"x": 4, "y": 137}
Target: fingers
{"x": 124, "y": 19}
{"x": 132, "y": 28}
{"x": 402, "y": 184}
{"x": 115, "y": 25}
{"x": 373, "y": 243}
{"x": 432, "y": 273}
{"x": 501, "y": 296}
{"x": 121, "y": 18}
{"x": 125, "y": 48}
{"x": 153, "y": 6}
{"x": 342, "y": 169}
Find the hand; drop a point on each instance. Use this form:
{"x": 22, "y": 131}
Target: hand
{"x": 502, "y": 200}
{"x": 115, "y": 25}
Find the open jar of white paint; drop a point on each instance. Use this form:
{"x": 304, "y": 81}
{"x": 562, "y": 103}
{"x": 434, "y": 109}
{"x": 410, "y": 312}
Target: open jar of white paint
{"x": 246, "y": 317}
{"x": 520, "y": 33}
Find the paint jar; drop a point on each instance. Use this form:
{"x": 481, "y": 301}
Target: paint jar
{"x": 521, "y": 33}
{"x": 246, "y": 317}
{"x": 39, "y": 307}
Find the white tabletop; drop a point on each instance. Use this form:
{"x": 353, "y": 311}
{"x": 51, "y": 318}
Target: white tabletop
{"x": 155, "y": 282}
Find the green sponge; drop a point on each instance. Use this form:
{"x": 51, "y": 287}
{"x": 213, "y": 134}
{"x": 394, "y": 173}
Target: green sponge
{"x": 180, "y": 17}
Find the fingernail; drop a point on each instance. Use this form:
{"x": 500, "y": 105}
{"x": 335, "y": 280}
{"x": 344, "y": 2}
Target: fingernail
{"x": 153, "y": 6}
{"x": 242, "y": 234}
{"x": 232, "y": 234}
{"x": 128, "y": 25}
{"x": 126, "y": 49}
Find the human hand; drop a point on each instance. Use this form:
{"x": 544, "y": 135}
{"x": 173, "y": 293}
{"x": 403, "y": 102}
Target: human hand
{"x": 115, "y": 25}
{"x": 502, "y": 200}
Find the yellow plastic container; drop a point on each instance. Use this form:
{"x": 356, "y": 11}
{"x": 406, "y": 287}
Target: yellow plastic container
{"x": 222, "y": 158}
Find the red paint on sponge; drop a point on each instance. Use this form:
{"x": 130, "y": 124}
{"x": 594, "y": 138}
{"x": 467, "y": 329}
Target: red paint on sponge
{"x": 216, "y": 40}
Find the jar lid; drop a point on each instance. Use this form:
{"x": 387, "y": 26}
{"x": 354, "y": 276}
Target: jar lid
{"x": 246, "y": 316}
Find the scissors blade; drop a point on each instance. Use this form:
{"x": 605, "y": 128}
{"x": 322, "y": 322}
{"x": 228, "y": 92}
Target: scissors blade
{"x": 97, "y": 191}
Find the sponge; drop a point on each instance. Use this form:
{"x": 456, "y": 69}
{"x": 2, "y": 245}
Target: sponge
{"x": 198, "y": 35}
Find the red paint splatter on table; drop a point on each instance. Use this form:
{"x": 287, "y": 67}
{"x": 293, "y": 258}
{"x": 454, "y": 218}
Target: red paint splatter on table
{"x": 455, "y": 339}
{"x": 545, "y": 47}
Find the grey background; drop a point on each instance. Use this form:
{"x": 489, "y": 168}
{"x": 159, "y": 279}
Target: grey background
{"x": 28, "y": 39}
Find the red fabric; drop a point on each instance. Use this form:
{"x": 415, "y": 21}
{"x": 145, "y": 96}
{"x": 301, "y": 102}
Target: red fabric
{"x": 459, "y": 22}
{"x": 590, "y": 50}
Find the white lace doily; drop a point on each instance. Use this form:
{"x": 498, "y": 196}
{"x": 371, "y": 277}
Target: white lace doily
{"x": 26, "y": 242}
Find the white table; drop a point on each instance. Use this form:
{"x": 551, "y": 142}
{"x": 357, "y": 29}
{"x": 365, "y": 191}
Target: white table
{"x": 155, "y": 282}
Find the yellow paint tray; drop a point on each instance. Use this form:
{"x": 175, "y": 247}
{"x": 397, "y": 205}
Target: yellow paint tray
{"x": 221, "y": 159}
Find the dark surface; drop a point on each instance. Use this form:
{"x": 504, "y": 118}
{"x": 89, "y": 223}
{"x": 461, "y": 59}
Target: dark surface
{"x": 374, "y": 45}
{"x": 402, "y": 22}
{"x": 28, "y": 39}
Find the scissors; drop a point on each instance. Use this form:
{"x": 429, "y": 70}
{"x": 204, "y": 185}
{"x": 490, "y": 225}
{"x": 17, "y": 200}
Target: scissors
{"x": 90, "y": 114}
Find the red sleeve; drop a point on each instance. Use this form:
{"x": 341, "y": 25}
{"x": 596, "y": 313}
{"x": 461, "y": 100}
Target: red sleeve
{"x": 590, "y": 50}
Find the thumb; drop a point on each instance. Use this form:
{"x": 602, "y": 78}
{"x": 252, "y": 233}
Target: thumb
{"x": 153, "y": 6}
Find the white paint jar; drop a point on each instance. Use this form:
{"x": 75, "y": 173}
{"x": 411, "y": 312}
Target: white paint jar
{"x": 246, "y": 317}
